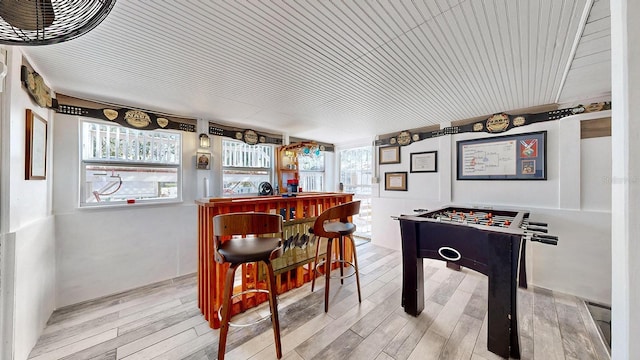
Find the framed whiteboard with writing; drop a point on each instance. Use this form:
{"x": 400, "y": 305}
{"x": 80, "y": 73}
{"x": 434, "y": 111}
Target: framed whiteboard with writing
{"x": 509, "y": 157}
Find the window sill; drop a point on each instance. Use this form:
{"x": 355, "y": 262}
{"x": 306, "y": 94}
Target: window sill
{"x": 137, "y": 203}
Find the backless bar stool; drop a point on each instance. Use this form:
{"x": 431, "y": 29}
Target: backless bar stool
{"x": 334, "y": 223}
{"x": 244, "y": 249}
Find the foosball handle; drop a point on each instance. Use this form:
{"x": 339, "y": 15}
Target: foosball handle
{"x": 545, "y": 240}
{"x": 535, "y": 228}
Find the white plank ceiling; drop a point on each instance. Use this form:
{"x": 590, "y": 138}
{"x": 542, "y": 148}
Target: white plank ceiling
{"x": 337, "y": 71}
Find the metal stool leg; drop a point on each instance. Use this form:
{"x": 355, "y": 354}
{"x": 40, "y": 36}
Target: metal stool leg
{"x": 327, "y": 275}
{"x": 226, "y": 312}
{"x": 274, "y": 308}
{"x": 315, "y": 263}
{"x": 341, "y": 251}
{"x": 355, "y": 263}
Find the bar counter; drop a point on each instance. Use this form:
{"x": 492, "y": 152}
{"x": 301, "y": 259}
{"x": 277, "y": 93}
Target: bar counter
{"x": 293, "y": 269}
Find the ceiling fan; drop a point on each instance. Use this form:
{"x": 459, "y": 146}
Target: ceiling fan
{"x": 45, "y": 22}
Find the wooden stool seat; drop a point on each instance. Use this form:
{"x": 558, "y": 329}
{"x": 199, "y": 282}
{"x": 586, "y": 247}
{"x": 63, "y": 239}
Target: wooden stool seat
{"x": 334, "y": 223}
{"x": 249, "y": 247}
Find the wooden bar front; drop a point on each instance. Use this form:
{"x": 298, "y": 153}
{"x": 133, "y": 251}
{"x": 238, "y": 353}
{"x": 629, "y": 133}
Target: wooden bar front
{"x": 299, "y": 211}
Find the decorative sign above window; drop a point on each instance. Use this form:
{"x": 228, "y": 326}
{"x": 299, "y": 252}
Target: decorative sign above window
{"x": 35, "y": 86}
{"x": 248, "y": 136}
{"x": 310, "y": 146}
{"x": 131, "y": 118}
{"x": 496, "y": 123}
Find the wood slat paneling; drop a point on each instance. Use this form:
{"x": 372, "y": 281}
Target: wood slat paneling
{"x": 590, "y": 71}
{"x": 309, "y": 67}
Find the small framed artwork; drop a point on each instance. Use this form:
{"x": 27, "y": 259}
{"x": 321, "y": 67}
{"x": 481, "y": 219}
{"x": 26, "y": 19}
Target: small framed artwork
{"x": 36, "y": 147}
{"x": 528, "y": 167}
{"x": 424, "y": 162}
{"x": 395, "y": 181}
{"x": 203, "y": 161}
{"x": 389, "y": 155}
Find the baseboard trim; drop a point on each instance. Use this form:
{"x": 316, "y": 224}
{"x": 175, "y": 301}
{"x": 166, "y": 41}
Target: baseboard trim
{"x": 596, "y": 336}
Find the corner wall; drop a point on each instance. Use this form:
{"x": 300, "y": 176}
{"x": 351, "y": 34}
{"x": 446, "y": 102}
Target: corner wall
{"x": 572, "y": 201}
{"x": 625, "y": 132}
{"x": 101, "y": 251}
{"x": 28, "y": 229}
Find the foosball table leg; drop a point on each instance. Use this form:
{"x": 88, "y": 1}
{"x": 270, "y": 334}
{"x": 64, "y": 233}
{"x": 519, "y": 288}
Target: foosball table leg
{"x": 522, "y": 273}
{"x": 453, "y": 266}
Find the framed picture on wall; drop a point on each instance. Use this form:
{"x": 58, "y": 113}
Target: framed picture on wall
{"x": 389, "y": 155}
{"x": 395, "y": 181}
{"x": 203, "y": 161}
{"x": 424, "y": 162}
{"x": 510, "y": 157}
{"x": 36, "y": 147}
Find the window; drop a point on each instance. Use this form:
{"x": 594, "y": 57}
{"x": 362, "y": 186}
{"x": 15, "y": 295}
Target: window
{"x": 245, "y": 166}
{"x": 121, "y": 165}
{"x": 311, "y": 171}
{"x": 355, "y": 175}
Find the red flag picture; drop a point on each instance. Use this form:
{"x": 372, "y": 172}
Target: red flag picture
{"x": 529, "y": 148}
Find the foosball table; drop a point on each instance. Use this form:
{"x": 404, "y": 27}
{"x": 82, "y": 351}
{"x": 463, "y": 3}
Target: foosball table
{"x": 490, "y": 241}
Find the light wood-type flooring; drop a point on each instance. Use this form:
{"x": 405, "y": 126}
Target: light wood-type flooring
{"x": 162, "y": 321}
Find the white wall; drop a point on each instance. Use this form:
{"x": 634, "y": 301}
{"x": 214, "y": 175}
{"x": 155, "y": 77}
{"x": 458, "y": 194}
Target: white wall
{"x": 523, "y": 193}
{"x": 572, "y": 201}
{"x": 595, "y": 174}
{"x": 27, "y": 225}
{"x": 625, "y": 135}
{"x": 330, "y": 175}
{"x": 424, "y": 186}
{"x": 34, "y": 283}
{"x": 102, "y": 251}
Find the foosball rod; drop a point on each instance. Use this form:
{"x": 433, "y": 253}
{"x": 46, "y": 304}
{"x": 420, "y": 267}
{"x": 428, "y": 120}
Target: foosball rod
{"x": 535, "y": 228}
{"x": 543, "y": 238}
{"x": 499, "y": 220}
{"x": 534, "y": 223}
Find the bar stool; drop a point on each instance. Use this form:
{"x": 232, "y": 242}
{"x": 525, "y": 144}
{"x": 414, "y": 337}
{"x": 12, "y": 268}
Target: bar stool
{"x": 334, "y": 223}
{"x": 244, "y": 249}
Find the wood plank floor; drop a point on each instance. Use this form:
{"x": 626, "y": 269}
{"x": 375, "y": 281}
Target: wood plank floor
{"x": 162, "y": 321}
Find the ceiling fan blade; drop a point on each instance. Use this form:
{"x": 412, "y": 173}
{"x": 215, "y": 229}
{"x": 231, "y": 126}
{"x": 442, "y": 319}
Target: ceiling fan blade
{"x": 27, "y": 14}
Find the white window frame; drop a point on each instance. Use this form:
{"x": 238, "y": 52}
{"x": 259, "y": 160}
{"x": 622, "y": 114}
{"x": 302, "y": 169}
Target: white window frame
{"x": 364, "y": 217}
{"x": 177, "y": 165}
{"x": 270, "y": 169}
{"x": 315, "y": 172}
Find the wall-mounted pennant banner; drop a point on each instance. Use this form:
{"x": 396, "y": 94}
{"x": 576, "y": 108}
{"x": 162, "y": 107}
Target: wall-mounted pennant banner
{"x": 249, "y": 136}
{"x": 131, "y": 118}
{"x": 496, "y": 123}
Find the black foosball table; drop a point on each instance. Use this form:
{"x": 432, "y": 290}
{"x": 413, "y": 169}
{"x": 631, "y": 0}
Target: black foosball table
{"x": 489, "y": 241}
